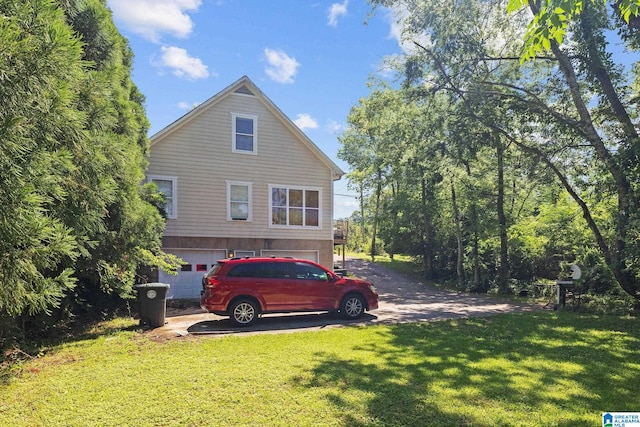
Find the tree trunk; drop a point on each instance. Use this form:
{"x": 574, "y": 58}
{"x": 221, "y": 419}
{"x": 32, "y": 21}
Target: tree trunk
{"x": 475, "y": 250}
{"x": 376, "y": 214}
{"x": 615, "y": 259}
{"x": 460, "y": 255}
{"x": 503, "y": 270}
{"x": 427, "y": 253}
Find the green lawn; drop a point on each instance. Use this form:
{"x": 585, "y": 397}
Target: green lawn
{"x": 542, "y": 369}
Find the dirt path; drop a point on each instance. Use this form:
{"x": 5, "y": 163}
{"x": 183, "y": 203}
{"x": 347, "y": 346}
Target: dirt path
{"x": 401, "y": 300}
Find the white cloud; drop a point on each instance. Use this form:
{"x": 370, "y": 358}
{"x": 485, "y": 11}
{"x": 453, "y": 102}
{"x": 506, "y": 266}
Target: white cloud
{"x": 152, "y": 18}
{"x": 397, "y": 17}
{"x": 305, "y": 121}
{"x": 181, "y": 64}
{"x": 282, "y": 68}
{"x": 336, "y": 11}
{"x": 335, "y": 127}
{"x": 184, "y": 105}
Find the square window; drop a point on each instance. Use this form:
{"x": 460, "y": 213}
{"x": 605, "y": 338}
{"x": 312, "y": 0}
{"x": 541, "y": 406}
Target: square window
{"x": 295, "y": 216}
{"x": 279, "y": 216}
{"x": 244, "y": 126}
{"x": 311, "y": 218}
{"x": 186, "y": 267}
{"x": 312, "y": 199}
{"x": 201, "y": 267}
{"x": 295, "y": 198}
{"x": 279, "y": 196}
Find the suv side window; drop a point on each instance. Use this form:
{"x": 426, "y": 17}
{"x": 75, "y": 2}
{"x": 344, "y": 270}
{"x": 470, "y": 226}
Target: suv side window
{"x": 310, "y": 272}
{"x": 275, "y": 270}
{"x": 244, "y": 270}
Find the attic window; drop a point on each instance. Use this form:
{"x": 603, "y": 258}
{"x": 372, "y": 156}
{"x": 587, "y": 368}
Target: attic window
{"x": 244, "y": 134}
{"x": 243, "y": 90}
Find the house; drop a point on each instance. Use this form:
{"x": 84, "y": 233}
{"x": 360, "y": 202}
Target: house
{"x": 240, "y": 179}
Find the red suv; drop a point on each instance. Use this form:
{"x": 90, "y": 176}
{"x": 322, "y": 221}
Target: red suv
{"x": 244, "y": 288}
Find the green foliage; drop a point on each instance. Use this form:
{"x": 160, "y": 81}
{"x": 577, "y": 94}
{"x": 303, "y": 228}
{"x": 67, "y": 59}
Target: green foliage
{"x": 41, "y": 70}
{"x": 75, "y": 223}
{"x": 539, "y": 157}
{"x": 552, "y": 18}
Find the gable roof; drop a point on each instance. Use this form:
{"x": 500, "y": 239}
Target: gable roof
{"x": 245, "y": 86}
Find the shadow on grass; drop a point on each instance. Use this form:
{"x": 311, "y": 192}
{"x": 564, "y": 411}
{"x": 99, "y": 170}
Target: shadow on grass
{"x": 543, "y": 369}
{"x": 16, "y": 352}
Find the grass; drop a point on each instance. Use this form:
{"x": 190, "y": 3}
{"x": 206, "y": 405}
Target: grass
{"x": 546, "y": 369}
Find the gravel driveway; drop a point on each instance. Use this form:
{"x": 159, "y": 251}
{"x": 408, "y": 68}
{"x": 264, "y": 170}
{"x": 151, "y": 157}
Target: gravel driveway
{"x": 401, "y": 300}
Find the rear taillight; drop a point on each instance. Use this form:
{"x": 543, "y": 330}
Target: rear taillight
{"x": 211, "y": 282}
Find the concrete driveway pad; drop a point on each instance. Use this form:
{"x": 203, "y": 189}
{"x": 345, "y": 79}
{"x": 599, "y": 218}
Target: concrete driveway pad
{"x": 401, "y": 300}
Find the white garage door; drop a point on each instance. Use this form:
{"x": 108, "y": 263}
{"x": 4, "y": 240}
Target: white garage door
{"x": 308, "y": 255}
{"x": 187, "y": 284}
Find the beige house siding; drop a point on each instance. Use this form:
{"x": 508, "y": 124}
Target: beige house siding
{"x": 197, "y": 150}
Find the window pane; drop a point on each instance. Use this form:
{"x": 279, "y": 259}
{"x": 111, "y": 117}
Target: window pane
{"x": 310, "y": 272}
{"x": 279, "y": 197}
{"x": 295, "y": 217}
{"x": 244, "y": 142}
{"x": 165, "y": 186}
{"x": 244, "y": 126}
{"x": 279, "y": 216}
{"x": 295, "y": 198}
{"x": 312, "y": 199}
{"x": 239, "y": 210}
{"x": 311, "y": 218}
{"x": 240, "y": 193}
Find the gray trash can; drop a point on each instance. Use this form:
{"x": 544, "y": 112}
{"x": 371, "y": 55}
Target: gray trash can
{"x": 152, "y": 303}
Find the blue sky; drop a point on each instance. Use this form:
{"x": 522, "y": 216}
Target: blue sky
{"x": 313, "y": 59}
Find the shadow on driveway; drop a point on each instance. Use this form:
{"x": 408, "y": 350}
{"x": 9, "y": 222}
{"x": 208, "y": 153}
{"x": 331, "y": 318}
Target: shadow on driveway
{"x": 401, "y": 300}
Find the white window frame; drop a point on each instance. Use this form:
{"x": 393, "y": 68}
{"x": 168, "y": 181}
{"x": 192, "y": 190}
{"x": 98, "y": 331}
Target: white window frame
{"x": 174, "y": 192}
{"x": 304, "y": 207}
{"x": 234, "y": 148}
{"x": 243, "y": 254}
{"x": 249, "y": 186}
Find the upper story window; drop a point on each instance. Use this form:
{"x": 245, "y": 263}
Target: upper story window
{"x": 238, "y": 201}
{"x": 168, "y": 186}
{"x": 294, "y": 207}
{"x": 245, "y": 133}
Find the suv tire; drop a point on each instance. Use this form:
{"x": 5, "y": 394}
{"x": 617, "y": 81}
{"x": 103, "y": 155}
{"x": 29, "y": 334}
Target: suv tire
{"x": 352, "y": 306}
{"x": 243, "y": 312}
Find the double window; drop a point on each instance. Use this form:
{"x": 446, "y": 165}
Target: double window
{"x": 244, "y": 133}
{"x": 168, "y": 186}
{"x": 294, "y": 207}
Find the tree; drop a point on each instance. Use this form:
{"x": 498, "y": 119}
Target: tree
{"x": 573, "y": 111}
{"x": 75, "y": 223}
{"x": 41, "y": 73}
{"x": 551, "y": 20}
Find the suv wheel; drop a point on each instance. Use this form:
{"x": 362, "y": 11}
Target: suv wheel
{"x": 352, "y": 306}
{"x": 244, "y": 312}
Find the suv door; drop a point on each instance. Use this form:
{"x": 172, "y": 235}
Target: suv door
{"x": 314, "y": 290}
{"x": 276, "y": 284}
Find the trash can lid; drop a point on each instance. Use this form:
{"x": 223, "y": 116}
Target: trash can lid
{"x": 151, "y": 285}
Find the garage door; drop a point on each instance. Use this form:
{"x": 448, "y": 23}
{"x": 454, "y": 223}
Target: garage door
{"x": 187, "y": 284}
{"x": 308, "y": 255}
